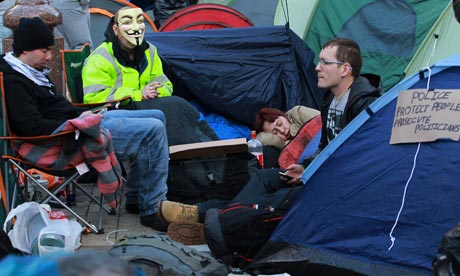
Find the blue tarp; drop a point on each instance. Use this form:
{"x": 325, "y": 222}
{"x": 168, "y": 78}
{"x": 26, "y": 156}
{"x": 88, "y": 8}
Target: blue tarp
{"x": 236, "y": 71}
{"x": 371, "y": 207}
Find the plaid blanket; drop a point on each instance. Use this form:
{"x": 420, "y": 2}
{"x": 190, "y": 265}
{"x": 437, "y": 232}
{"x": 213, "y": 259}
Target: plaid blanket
{"x": 90, "y": 144}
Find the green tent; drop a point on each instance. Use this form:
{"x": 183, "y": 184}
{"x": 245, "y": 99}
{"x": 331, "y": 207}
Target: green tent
{"x": 442, "y": 41}
{"x": 397, "y": 37}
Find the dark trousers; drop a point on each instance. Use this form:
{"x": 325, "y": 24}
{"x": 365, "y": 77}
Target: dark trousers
{"x": 265, "y": 187}
{"x": 183, "y": 124}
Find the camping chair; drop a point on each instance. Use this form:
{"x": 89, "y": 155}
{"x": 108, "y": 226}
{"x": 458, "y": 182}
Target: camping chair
{"x": 18, "y": 165}
{"x": 72, "y": 63}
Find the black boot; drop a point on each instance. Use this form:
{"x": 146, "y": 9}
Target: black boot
{"x": 132, "y": 208}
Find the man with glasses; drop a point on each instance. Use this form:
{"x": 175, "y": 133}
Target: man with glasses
{"x": 347, "y": 92}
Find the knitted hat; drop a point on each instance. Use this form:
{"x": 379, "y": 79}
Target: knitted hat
{"x": 32, "y": 34}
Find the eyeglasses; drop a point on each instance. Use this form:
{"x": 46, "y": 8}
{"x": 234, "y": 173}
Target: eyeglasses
{"x": 327, "y": 62}
{"x": 323, "y": 61}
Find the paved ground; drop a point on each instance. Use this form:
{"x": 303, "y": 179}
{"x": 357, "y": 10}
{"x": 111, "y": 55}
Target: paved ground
{"x": 114, "y": 226}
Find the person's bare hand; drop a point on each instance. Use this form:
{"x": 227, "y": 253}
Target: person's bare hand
{"x": 295, "y": 171}
{"x": 150, "y": 90}
{"x": 87, "y": 112}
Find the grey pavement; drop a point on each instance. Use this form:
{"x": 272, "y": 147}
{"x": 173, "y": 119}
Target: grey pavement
{"x": 114, "y": 226}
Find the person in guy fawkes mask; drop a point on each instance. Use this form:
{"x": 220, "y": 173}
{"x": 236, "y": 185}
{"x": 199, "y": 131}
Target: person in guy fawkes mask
{"x": 125, "y": 64}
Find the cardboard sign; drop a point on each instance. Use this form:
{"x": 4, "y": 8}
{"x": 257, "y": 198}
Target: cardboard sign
{"x": 425, "y": 116}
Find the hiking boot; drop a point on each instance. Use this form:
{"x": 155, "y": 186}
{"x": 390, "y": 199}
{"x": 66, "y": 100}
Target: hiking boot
{"x": 155, "y": 222}
{"x": 171, "y": 211}
{"x": 132, "y": 208}
{"x": 187, "y": 232}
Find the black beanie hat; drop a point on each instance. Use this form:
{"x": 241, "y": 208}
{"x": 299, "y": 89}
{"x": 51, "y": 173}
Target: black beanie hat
{"x": 32, "y": 34}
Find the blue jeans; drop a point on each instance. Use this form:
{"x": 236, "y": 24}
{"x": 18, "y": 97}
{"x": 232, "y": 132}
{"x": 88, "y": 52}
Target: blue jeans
{"x": 141, "y": 145}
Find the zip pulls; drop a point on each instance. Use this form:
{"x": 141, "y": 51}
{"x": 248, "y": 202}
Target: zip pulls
{"x": 238, "y": 206}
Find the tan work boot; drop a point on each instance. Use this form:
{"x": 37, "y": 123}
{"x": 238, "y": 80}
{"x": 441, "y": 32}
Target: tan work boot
{"x": 171, "y": 211}
{"x": 187, "y": 232}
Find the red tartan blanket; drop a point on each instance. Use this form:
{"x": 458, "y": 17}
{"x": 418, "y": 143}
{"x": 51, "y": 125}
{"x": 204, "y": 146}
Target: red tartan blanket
{"x": 91, "y": 144}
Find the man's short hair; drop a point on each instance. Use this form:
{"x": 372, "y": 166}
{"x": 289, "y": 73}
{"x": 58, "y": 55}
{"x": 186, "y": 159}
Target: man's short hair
{"x": 347, "y": 51}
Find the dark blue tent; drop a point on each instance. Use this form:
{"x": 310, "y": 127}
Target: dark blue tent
{"x": 237, "y": 71}
{"x": 372, "y": 207}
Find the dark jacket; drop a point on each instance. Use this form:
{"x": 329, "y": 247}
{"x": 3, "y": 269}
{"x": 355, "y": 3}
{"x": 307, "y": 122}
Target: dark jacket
{"x": 364, "y": 90}
{"x": 34, "y": 110}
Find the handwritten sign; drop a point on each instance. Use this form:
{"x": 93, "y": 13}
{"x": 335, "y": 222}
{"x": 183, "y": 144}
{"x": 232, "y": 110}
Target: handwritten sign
{"x": 425, "y": 116}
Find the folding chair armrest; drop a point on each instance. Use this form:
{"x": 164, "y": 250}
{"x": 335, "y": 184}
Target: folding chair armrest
{"x": 37, "y": 138}
{"x": 94, "y": 107}
{"x": 114, "y": 104}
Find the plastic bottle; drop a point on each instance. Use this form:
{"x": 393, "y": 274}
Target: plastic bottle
{"x": 70, "y": 194}
{"x": 255, "y": 147}
{"x": 30, "y": 189}
{"x": 50, "y": 243}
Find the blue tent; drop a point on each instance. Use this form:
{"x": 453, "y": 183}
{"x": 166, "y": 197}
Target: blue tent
{"x": 236, "y": 71}
{"x": 370, "y": 207}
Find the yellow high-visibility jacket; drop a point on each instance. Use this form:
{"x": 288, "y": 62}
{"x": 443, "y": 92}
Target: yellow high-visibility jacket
{"x": 105, "y": 79}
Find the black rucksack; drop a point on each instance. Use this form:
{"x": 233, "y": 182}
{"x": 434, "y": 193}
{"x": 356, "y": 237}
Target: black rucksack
{"x": 159, "y": 255}
{"x": 215, "y": 177}
{"x": 235, "y": 234}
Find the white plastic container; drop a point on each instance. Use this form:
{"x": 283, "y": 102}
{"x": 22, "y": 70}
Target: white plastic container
{"x": 50, "y": 243}
{"x": 256, "y": 148}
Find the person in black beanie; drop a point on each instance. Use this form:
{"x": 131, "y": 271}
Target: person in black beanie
{"x": 35, "y": 108}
